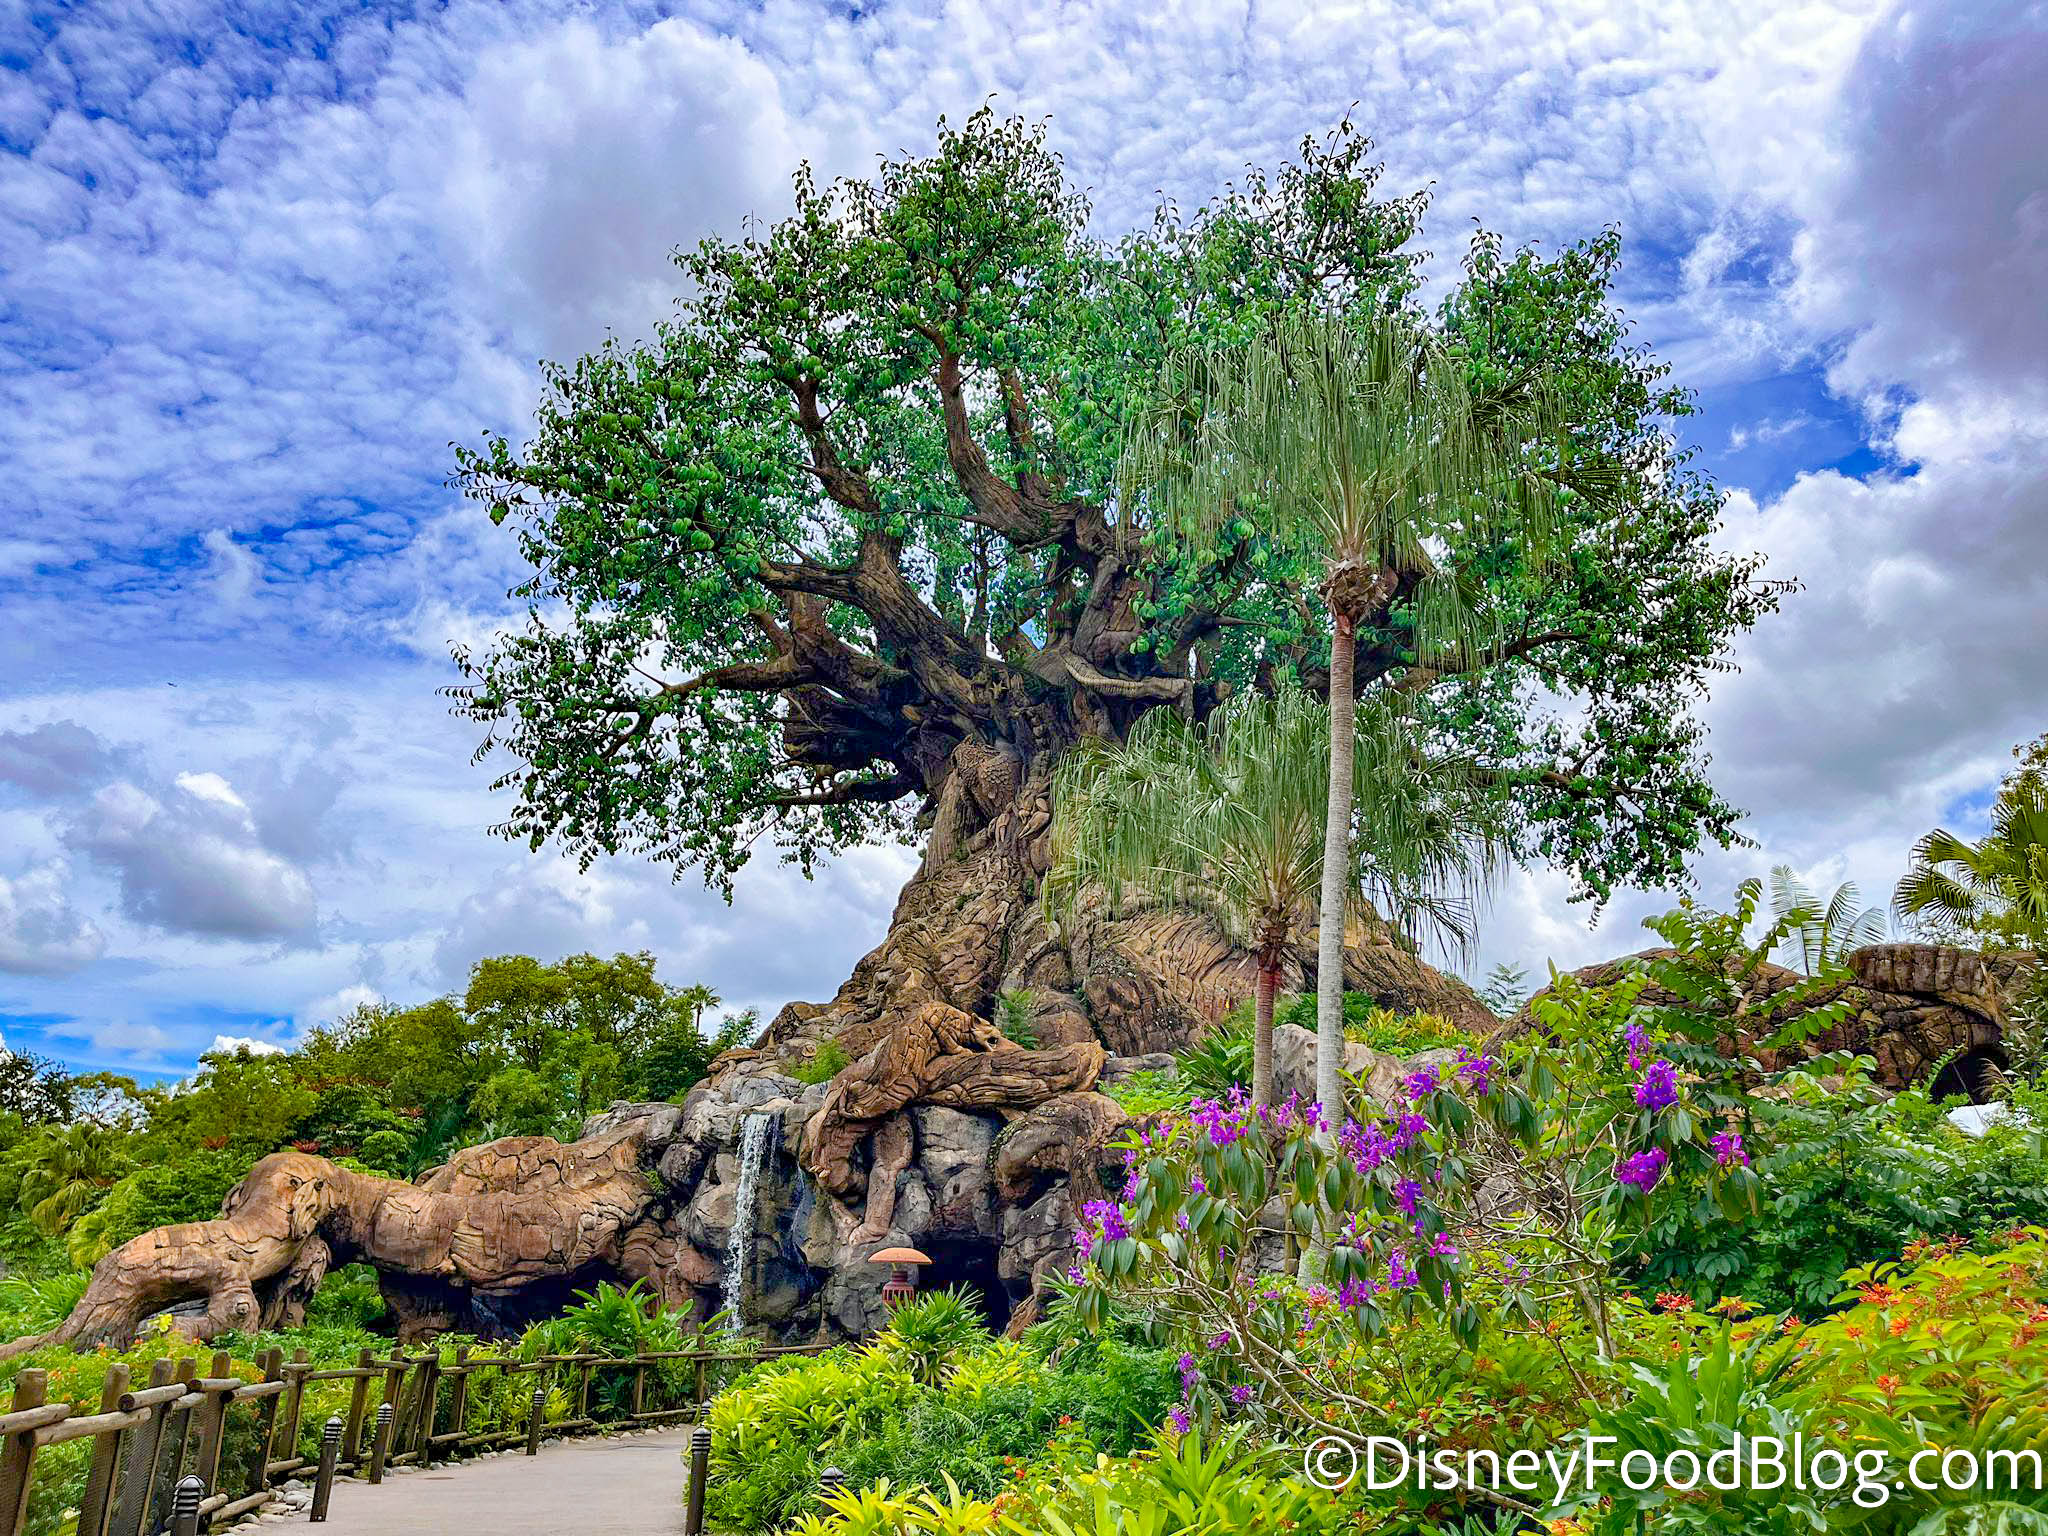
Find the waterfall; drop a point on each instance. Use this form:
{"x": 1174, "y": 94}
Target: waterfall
{"x": 739, "y": 1246}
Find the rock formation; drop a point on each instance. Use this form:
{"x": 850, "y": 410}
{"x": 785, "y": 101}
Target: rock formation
{"x": 496, "y": 1225}
{"x": 1912, "y": 1008}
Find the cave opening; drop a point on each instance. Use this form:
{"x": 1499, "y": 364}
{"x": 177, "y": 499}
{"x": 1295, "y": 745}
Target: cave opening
{"x": 1975, "y": 1075}
{"x": 970, "y": 1264}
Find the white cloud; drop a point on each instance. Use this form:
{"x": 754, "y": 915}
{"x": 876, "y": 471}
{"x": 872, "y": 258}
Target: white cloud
{"x": 41, "y": 933}
{"x": 190, "y": 861}
{"x": 122, "y": 1043}
{"x": 232, "y": 1044}
{"x": 338, "y": 1004}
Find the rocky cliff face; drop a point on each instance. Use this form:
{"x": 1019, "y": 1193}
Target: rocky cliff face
{"x": 988, "y": 1184}
{"x": 984, "y": 1193}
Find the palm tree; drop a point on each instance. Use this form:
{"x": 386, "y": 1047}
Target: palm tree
{"x": 1226, "y": 818}
{"x": 697, "y": 998}
{"x": 1359, "y": 440}
{"x": 1997, "y": 886}
{"x": 63, "y": 1170}
{"x": 1820, "y": 937}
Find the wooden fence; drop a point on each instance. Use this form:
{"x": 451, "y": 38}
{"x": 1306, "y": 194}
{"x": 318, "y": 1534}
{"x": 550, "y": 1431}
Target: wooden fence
{"x": 148, "y": 1440}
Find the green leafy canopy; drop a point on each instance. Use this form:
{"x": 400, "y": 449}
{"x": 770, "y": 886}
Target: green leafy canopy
{"x": 853, "y": 509}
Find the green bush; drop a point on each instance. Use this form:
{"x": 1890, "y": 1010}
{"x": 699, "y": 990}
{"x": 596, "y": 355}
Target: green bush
{"x": 1849, "y": 1175}
{"x": 1150, "y": 1093}
{"x": 386, "y": 1151}
{"x": 932, "y": 1398}
{"x": 1016, "y": 1018}
{"x": 349, "y": 1298}
{"x": 826, "y": 1061}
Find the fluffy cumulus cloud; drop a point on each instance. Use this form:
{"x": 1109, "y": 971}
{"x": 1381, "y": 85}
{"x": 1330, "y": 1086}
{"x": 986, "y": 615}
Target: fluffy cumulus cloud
{"x": 41, "y": 933}
{"x": 188, "y": 859}
{"x": 264, "y": 264}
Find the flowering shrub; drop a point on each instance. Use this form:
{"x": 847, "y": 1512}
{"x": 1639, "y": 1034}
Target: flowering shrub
{"x": 1544, "y": 1160}
{"x": 1948, "y": 1349}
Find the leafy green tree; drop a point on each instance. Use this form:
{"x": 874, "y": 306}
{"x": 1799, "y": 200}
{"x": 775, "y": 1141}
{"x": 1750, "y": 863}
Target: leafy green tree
{"x": 1997, "y": 887}
{"x": 1360, "y": 444}
{"x": 1227, "y": 819}
{"x": 1506, "y": 988}
{"x": 36, "y": 1091}
{"x": 239, "y": 1101}
{"x": 189, "y": 1187}
{"x": 524, "y": 1005}
{"x": 840, "y": 546}
{"x": 676, "y": 1054}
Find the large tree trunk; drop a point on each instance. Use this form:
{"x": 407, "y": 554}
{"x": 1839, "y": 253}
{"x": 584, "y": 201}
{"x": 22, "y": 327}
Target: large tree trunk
{"x": 969, "y": 926}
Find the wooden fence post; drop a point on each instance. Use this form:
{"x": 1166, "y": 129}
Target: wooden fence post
{"x": 380, "y": 1447}
{"x": 358, "y": 1405}
{"x": 30, "y": 1388}
{"x": 96, "y": 1503}
{"x": 145, "y": 1451}
{"x": 212, "y": 1422}
{"x": 266, "y": 1423}
{"x": 330, "y": 1457}
{"x": 426, "y": 1398}
{"x": 459, "y": 1406}
{"x": 294, "y": 1405}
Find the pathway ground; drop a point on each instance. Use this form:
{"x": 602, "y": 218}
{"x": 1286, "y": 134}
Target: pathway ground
{"x": 625, "y": 1485}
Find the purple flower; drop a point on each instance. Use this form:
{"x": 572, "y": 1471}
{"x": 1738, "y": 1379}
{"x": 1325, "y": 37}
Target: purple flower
{"x": 1223, "y": 1121}
{"x": 1221, "y": 1340}
{"x": 1420, "y": 1085}
{"x": 1477, "y": 1072}
{"x": 1441, "y": 1247}
{"x": 1407, "y": 1192}
{"x": 1408, "y": 1130}
{"x": 1076, "y": 1273}
{"x": 1728, "y": 1149}
{"x": 1365, "y": 1145}
{"x": 1190, "y": 1373}
{"x": 1659, "y": 1087}
{"x": 1644, "y": 1169}
{"x": 1101, "y": 1222}
{"x": 1638, "y": 1040}
{"x": 1400, "y": 1273}
{"x": 1181, "y": 1421}
{"x": 1354, "y": 1294}
{"x": 1240, "y": 1395}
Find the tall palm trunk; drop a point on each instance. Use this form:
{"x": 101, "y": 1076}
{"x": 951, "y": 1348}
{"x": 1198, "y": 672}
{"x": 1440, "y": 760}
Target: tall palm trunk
{"x": 1336, "y": 868}
{"x": 1262, "y": 1033}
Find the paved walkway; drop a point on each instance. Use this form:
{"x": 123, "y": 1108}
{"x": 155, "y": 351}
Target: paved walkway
{"x": 623, "y": 1485}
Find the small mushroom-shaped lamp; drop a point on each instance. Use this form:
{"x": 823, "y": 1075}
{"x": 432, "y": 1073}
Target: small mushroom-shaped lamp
{"x": 901, "y": 1286}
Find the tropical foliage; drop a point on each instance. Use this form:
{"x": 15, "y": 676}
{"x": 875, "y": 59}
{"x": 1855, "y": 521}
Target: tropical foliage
{"x": 1997, "y": 887}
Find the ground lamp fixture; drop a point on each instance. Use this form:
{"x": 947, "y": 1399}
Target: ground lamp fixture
{"x": 901, "y": 1285}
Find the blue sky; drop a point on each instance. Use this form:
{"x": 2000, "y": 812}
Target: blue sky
{"x": 261, "y": 263}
